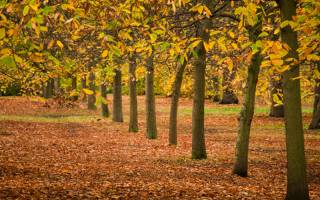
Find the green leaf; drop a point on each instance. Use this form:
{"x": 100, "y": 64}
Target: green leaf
{"x": 2, "y": 33}
{"x": 263, "y": 34}
{"x": 26, "y": 10}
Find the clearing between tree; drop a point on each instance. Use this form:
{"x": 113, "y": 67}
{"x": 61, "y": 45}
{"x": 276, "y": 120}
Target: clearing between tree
{"x": 47, "y": 152}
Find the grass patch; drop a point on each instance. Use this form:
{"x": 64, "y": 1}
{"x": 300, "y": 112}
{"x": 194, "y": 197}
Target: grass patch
{"x": 49, "y": 118}
{"x": 234, "y": 110}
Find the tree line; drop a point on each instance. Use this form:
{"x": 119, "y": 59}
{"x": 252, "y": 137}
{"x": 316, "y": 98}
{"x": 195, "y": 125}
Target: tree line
{"x": 204, "y": 48}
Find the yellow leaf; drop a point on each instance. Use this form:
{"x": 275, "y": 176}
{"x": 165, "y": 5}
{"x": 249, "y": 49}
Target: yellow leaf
{"x": 75, "y": 37}
{"x": 208, "y": 45}
{"x": 87, "y": 91}
{"x": 105, "y": 53}
{"x": 59, "y": 43}
{"x": 231, "y": 34}
{"x": 37, "y": 58}
{"x": 5, "y": 51}
{"x": 51, "y": 43}
{"x": 235, "y": 46}
{"x": 277, "y": 62}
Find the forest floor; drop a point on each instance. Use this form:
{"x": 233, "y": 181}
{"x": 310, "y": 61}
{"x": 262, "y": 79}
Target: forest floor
{"x": 47, "y": 152}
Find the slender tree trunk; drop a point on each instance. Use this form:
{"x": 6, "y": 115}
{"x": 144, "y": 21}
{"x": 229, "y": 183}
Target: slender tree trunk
{"x": 92, "y": 87}
{"x": 175, "y": 102}
{"x": 74, "y": 88}
{"x": 49, "y": 89}
{"x": 150, "y": 100}
{"x": 104, "y": 103}
{"x": 133, "y": 123}
{"x": 297, "y": 186}
{"x": 57, "y": 86}
{"x": 315, "y": 122}
{"x": 84, "y": 86}
{"x": 247, "y": 112}
{"x": 276, "y": 89}
{"x": 117, "y": 115}
{"x": 198, "y": 137}
{"x": 216, "y": 87}
{"x": 228, "y": 94}
{"x": 44, "y": 90}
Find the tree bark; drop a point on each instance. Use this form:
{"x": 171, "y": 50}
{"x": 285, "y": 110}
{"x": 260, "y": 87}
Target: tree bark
{"x": 57, "y": 86}
{"x": 247, "y": 112}
{"x": 228, "y": 94}
{"x": 117, "y": 115}
{"x": 49, "y": 89}
{"x": 104, "y": 103}
{"x": 133, "y": 123}
{"x": 74, "y": 96}
{"x": 315, "y": 122}
{"x": 276, "y": 89}
{"x": 175, "y": 102}
{"x": 198, "y": 138}
{"x": 216, "y": 87}
{"x": 84, "y": 86}
{"x": 297, "y": 186}
{"x": 92, "y": 87}
{"x": 150, "y": 100}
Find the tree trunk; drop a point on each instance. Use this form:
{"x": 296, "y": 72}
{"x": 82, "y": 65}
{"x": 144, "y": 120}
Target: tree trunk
{"x": 49, "y": 89}
{"x": 57, "y": 86}
{"x": 315, "y": 123}
{"x": 228, "y": 94}
{"x": 117, "y": 115}
{"x": 133, "y": 123}
{"x": 84, "y": 86}
{"x": 276, "y": 89}
{"x": 150, "y": 100}
{"x": 92, "y": 87}
{"x": 175, "y": 102}
{"x": 247, "y": 112}
{"x": 216, "y": 87}
{"x": 74, "y": 96}
{"x": 104, "y": 103}
{"x": 198, "y": 138}
{"x": 297, "y": 186}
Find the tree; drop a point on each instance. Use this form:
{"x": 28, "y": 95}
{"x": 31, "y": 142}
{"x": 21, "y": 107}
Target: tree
{"x": 198, "y": 138}
{"x": 297, "y": 186}
{"x": 92, "y": 87}
{"x": 315, "y": 122}
{"x": 117, "y": 115}
{"x": 104, "y": 101}
{"x": 176, "y": 90}
{"x": 151, "y": 122}
{"x": 133, "y": 121}
{"x": 246, "y": 115}
{"x": 276, "y": 109}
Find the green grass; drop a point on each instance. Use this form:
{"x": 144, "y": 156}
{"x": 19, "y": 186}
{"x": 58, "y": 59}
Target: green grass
{"x": 48, "y": 119}
{"x": 262, "y": 110}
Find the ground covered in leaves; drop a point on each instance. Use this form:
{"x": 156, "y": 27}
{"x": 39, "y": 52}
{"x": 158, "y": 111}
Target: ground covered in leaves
{"x": 49, "y": 152}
